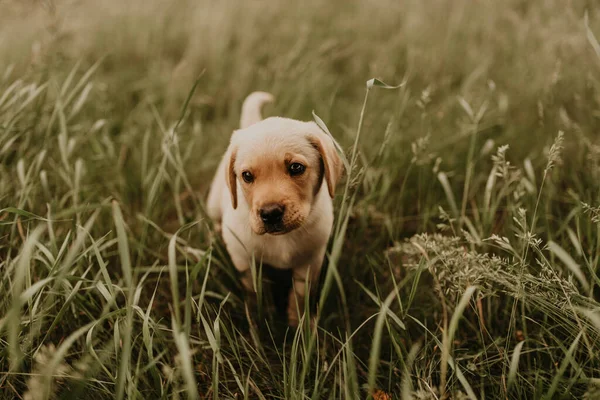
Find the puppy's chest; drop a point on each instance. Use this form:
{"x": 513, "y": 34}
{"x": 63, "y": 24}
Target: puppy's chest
{"x": 284, "y": 252}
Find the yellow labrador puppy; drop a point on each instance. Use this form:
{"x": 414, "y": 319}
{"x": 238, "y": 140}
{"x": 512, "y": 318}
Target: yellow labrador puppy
{"x": 272, "y": 197}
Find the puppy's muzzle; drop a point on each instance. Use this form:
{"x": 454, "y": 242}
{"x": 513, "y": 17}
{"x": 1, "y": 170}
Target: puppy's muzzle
{"x": 272, "y": 217}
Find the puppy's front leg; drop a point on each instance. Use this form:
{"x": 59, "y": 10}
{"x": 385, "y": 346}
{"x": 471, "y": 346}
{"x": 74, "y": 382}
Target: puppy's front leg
{"x": 305, "y": 279}
{"x": 243, "y": 267}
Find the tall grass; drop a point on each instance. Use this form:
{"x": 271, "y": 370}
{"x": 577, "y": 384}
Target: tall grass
{"x": 464, "y": 259}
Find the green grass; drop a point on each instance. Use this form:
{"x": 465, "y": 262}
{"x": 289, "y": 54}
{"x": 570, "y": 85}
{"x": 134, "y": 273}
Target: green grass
{"x": 466, "y": 248}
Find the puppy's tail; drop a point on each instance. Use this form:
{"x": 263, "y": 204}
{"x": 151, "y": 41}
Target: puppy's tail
{"x": 252, "y": 106}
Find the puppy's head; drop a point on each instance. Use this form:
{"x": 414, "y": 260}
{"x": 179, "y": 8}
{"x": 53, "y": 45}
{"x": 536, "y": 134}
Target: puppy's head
{"x": 279, "y": 165}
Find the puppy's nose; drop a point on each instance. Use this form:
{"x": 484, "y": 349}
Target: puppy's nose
{"x": 272, "y": 214}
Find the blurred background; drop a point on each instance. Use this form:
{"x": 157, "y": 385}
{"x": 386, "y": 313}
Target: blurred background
{"x": 526, "y": 59}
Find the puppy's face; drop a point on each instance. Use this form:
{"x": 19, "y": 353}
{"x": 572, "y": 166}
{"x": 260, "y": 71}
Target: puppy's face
{"x": 280, "y": 165}
{"x": 279, "y": 185}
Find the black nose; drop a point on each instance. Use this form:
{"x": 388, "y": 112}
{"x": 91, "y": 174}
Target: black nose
{"x": 272, "y": 214}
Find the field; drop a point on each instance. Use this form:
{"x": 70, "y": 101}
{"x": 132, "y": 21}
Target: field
{"x": 465, "y": 257}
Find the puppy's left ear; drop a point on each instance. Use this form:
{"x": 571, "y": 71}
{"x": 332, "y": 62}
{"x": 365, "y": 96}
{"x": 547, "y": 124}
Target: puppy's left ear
{"x": 334, "y": 167}
{"x": 231, "y": 178}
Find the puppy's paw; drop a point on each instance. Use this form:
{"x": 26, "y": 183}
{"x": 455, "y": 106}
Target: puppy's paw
{"x": 293, "y": 318}
{"x": 216, "y": 232}
{"x": 295, "y": 312}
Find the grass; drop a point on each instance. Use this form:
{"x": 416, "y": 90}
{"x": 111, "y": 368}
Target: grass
{"x": 466, "y": 248}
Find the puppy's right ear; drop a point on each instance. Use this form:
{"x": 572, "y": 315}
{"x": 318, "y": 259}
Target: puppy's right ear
{"x": 231, "y": 178}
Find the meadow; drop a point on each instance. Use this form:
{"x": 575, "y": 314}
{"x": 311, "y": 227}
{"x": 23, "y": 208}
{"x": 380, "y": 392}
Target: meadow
{"x": 465, "y": 256}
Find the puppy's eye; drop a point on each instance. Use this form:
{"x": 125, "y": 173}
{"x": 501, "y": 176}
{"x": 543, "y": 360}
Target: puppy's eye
{"x": 296, "y": 169}
{"x": 247, "y": 177}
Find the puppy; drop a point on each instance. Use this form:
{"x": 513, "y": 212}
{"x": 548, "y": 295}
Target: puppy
{"x": 272, "y": 196}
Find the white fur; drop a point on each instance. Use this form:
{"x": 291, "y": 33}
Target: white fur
{"x": 302, "y": 249}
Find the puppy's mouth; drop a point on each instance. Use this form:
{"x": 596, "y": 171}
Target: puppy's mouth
{"x": 278, "y": 229}
{"x": 274, "y": 219}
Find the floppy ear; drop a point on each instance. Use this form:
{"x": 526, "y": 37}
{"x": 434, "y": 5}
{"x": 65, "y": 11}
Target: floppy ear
{"x": 331, "y": 160}
{"x": 231, "y": 179}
